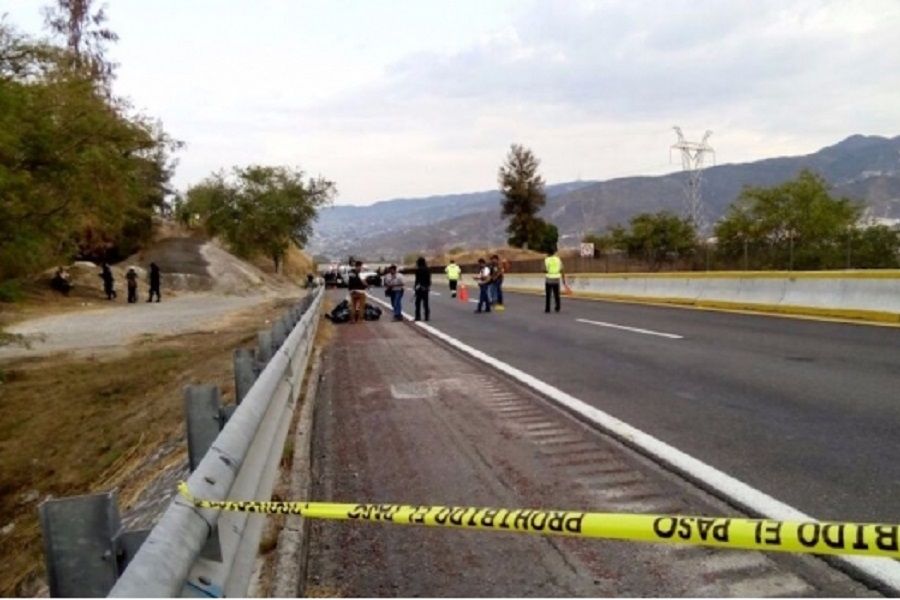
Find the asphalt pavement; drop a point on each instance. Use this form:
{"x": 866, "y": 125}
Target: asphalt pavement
{"x": 401, "y": 418}
{"x": 806, "y": 411}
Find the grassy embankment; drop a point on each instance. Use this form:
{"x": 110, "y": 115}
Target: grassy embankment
{"x": 78, "y": 425}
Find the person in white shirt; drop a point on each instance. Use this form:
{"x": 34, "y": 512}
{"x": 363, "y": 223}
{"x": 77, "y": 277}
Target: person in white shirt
{"x": 393, "y": 285}
{"x": 484, "y": 286}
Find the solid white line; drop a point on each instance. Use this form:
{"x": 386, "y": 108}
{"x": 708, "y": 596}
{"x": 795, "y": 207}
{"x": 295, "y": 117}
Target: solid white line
{"x": 884, "y": 570}
{"x": 634, "y": 329}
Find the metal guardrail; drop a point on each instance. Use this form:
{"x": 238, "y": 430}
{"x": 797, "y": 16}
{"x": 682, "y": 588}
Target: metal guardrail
{"x": 193, "y": 552}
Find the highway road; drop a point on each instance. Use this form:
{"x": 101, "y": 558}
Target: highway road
{"x": 806, "y": 411}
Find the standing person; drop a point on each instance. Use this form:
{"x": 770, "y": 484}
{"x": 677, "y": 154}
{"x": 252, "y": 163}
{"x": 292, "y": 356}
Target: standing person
{"x": 393, "y": 285}
{"x": 154, "y": 282}
{"x": 497, "y": 283}
{"x": 422, "y": 288}
{"x": 131, "y": 276}
{"x": 108, "y": 282}
{"x": 484, "y": 286}
{"x": 553, "y": 267}
{"x": 453, "y": 271}
{"x": 357, "y": 287}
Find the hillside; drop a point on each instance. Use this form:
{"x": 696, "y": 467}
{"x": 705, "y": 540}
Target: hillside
{"x": 372, "y": 230}
{"x": 865, "y": 168}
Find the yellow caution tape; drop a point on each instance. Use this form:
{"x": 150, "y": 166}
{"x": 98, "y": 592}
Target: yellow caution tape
{"x": 813, "y": 537}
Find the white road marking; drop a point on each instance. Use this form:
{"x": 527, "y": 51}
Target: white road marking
{"x": 435, "y": 293}
{"x": 634, "y": 329}
{"x": 883, "y": 570}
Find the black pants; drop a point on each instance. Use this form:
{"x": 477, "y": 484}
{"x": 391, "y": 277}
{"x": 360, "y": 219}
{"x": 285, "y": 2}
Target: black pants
{"x": 453, "y": 283}
{"x": 551, "y": 288}
{"x": 132, "y": 294}
{"x": 154, "y": 290}
{"x": 109, "y": 291}
{"x": 422, "y": 298}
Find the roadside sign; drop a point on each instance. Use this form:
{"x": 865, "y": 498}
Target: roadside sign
{"x": 587, "y": 250}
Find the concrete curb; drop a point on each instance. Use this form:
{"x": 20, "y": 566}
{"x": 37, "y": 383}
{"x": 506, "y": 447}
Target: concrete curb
{"x": 838, "y": 314}
{"x": 293, "y": 541}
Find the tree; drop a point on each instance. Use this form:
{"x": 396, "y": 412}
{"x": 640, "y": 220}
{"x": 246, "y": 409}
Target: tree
{"x": 874, "y": 247}
{"x": 655, "y": 237}
{"x": 796, "y": 224}
{"x": 85, "y": 36}
{"x": 602, "y": 243}
{"x": 546, "y": 238}
{"x": 79, "y": 176}
{"x": 523, "y": 197}
{"x": 259, "y": 209}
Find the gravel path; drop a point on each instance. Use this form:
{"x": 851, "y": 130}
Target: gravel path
{"x": 122, "y": 323}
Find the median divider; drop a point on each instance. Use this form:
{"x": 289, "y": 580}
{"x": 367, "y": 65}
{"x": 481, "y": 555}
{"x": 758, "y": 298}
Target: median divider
{"x": 809, "y": 537}
{"x": 857, "y": 295}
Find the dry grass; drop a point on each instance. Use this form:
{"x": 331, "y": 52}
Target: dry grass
{"x": 38, "y": 300}
{"x": 73, "y": 426}
{"x": 296, "y": 265}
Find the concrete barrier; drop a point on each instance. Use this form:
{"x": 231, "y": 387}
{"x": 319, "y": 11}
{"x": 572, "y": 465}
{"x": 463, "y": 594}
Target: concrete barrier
{"x": 865, "y": 295}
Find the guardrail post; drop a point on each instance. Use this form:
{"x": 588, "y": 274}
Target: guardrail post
{"x": 85, "y": 548}
{"x": 245, "y": 373}
{"x": 205, "y": 419}
{"x": 264, "y": 349}
{"x": 279, "y": 334}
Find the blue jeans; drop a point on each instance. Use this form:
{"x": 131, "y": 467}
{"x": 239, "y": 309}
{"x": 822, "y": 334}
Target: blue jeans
{"x": 397, "y": 303}
{"x": 484, "y": 298}
{"x": 497, "y": 292}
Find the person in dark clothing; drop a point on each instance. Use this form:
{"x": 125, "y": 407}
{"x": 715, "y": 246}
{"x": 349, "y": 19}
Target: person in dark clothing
{"x": 132, "y": 277}
{"x": 497, "y": 283}
{"x": 357, "y": 288}
{"x": 108, "y": 282}
{"x": 154, "y": 282}
{"x": 422, "y": 288}
{"x": 61, "y": 281}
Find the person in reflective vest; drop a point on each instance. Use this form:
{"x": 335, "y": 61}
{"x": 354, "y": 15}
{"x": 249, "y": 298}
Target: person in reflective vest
{"x": 553, "y": 268}
{"x": 452, "y": 270}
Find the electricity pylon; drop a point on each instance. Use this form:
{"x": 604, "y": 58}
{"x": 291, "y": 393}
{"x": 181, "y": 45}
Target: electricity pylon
{"x": 693, "y": 155}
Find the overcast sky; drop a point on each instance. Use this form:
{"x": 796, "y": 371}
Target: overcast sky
{"x": 414, "y": 97}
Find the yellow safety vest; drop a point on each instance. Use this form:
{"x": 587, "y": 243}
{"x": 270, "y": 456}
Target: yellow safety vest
{"x": 453, "y": 272}
{"x": 553, "y": 266}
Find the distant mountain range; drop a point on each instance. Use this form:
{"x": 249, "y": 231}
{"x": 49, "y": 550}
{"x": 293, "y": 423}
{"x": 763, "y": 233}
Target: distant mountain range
{"x": 865, "y": 168}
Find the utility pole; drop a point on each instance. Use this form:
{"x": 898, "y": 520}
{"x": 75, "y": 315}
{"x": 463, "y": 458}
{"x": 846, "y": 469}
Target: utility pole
{"x": 693, "y": 155}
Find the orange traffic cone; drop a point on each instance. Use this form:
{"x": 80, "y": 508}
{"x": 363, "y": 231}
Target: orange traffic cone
{"x": 463, "y": 294}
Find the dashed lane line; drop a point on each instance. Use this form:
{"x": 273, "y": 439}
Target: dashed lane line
{"x": 673, "y": 336}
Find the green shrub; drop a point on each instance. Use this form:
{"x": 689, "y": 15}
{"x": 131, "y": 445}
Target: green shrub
{"x": 10, "y": 291}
